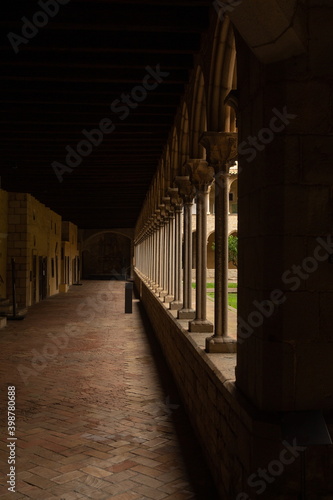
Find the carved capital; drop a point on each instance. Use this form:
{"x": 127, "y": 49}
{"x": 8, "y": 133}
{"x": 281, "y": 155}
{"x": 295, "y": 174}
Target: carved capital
{"x": 162, "y": 213}
{"x": 174, "y": 196}
{"x": 186, "y": 188}
{"x": 158, "y": 216}
{"x": 201, "y": 174}
{"x": 167, "y": 203}
{"x": 221, "y": 148}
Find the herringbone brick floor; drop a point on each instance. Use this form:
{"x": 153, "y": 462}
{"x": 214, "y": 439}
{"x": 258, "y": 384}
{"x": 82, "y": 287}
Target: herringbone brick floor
{"x": 97, "y": 413}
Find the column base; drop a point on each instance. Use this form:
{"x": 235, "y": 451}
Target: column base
{"x": 176, "y": 305}
{"x": 168, "y": 299}
{"x": 201, "y": 326}
{"x": 186, "y": 314}
{"x": 221, "y": 344}
{"x": 163, "y": 294}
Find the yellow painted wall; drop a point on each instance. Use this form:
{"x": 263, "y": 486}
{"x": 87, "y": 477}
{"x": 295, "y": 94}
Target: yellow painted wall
{"x": 70, "y": 253}
{"x": 44, "y": 240}
{"x": 3, "y": 242}
{"x": 35, "y": 242}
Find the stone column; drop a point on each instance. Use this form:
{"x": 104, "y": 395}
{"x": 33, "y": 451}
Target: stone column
{"x": 156, "y": 251}
{"x": 149, "y": 255}
{"x": 202, "y": 176}
{"x": 172, "y": 254}
{"x": 158, "y": 288}
{"x": 168, "y": 249}
{"x": 162, "y": 289}
{"x": 144, "y": 255}
{"x": 187, "y": 193}
{"x": 177, "y": 282}
{"x": 221, "y": 149}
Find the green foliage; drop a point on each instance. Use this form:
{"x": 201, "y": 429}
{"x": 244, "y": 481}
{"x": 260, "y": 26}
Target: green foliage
{"x": 233, "y": 249}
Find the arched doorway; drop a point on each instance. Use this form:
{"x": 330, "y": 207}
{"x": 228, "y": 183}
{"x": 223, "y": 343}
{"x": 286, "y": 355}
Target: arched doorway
{"x": 211, "y": 251}
{"x": 233, "y": 197}
{"x": 107, "y": 255}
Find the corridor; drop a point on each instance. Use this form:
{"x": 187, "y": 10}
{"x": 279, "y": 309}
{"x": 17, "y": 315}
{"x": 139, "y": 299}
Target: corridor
{"x": 97, "y": 413}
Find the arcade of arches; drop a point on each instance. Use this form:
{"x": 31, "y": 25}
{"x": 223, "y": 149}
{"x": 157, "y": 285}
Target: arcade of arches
{"x": 252, "y": 140}
{"x": 269, "y": 105}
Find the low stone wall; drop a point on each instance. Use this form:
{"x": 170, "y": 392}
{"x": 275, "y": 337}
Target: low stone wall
{"x": 232, "y": 275}
{"x": 237, "y": 440}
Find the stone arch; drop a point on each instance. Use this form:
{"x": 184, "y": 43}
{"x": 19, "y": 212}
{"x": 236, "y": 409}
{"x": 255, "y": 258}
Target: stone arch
{"x": 232, "y": 233}
{"x": 159, "y": 184}
{"x": 166, "y": 164}
{"x": 198, "y": 115}
{"x": 233, "y": 197}
{"x": 222, "y": 78}
{"x": 273, "y": 30}
{"x": 166, "y": 171}
{"x": 174, "y": 155}
{"x": 156, "y": 190}
{"x": 107, "y": 255}
{"x": 210, "y": 251}
{"x": 184, "y": 141}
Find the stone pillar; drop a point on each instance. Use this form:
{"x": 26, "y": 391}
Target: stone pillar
{"x": 149, "y": 255}
{"x": 202, "y": 176}
{"x": 285, "y": 313}
{"x": 162, "y": 289}
{"x": 158, "y": 257}
{"x": 144, "y": 255}
{"x": 172, "y": 255}
{"x": 156, "y": 251}
{"x": 168, "y": 253}
{"x": 177, "y": 282}
{"x": 221, "y": 148}
{"x": 187, "y": 193}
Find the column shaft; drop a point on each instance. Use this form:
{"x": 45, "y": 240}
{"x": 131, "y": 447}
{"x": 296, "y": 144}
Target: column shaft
{"x": 200, "y": 323}
{"x": 187, "y": 312}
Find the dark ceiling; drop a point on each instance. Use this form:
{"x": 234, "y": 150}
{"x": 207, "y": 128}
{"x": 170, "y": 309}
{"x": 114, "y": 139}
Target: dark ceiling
{"x": 64, "y": 79}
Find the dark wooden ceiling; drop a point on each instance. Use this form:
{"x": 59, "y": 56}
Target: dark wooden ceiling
{"x": 64, "y": 79}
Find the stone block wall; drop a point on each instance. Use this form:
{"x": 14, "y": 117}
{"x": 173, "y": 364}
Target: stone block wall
{"x": 17, "y": 246}
{"x": 238, "y": 440}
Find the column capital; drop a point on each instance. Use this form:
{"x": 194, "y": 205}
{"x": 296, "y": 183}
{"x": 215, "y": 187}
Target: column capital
{"x": 201, "y": 174}
{"x": 158, "y": 216}
{"x": 174, "y": 196}
{"x": 221, "y": 148}
{"x": 167, "y": 203}
{"x": 185, "y": 188}
{"x": 161, "y": 208}
{"x": 176, "y": 200}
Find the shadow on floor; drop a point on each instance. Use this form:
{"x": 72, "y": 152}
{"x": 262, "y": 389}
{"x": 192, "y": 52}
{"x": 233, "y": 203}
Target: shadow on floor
{"x": 197, "y": 469}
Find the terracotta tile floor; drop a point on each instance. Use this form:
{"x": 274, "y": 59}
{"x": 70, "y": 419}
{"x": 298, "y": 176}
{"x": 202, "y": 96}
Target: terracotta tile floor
{"x": 97, "y": 413}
